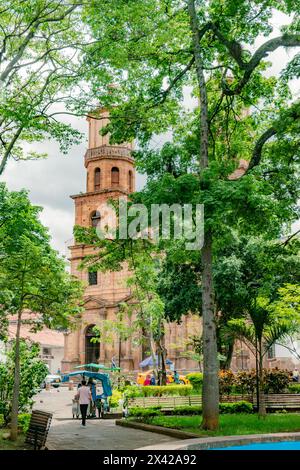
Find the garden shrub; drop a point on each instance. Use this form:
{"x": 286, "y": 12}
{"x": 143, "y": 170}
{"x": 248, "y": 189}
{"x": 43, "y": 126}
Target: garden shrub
{"x": 132, "y": 391}
{"x": 32, "y": 373}
{"x": 115, "y": 398}
{"x": 145, "y": 412}
{"x": 224, "y": 408}
{"x": 245, "y": 382}
{"x": 237, "y": 407}
{"x": 23, "y": 421}
{"x": 187, "y": 410}
{"x": 226, "y": 381}
{"x": 294, "y": 388}
{"x": 165, "y": 390}
{"x": 196, "y": 380}
{"x": 276, "y": 380}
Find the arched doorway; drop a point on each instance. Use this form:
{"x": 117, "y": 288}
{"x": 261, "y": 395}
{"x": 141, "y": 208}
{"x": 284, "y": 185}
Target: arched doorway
{"x": 92, "y": 350}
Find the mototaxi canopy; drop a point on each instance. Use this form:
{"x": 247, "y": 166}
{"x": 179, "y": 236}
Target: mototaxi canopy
{"x": 104, "y": 378}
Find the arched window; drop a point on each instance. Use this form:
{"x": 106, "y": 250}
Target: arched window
{"x": 95, "y": 218}
{"x": 115, "y": 176}
{"x": 92, "y": 349}
{"x": 130, "y": 181}
{"x": 97, "y": 175}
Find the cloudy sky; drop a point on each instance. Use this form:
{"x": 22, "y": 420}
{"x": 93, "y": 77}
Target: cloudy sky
{"x": 51, "y": 181}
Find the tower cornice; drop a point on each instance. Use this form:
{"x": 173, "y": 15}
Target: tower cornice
{"x": 100, "y": 191}
{"x": 108, "y": 152}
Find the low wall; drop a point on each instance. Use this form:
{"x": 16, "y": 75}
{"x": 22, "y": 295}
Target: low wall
{"x": 222, "y": 441}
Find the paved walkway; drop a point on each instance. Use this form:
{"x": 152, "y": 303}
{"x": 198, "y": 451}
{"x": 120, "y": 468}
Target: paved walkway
{"x": 66, "y": 433}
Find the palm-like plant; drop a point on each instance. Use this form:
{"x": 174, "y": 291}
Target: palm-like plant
{"x": 260, "y": 330}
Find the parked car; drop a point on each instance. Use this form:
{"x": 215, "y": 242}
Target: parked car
{"x": 54, "y": 380}
{"x": 141, "y": 377}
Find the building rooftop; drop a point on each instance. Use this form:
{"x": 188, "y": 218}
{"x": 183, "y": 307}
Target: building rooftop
{"x": 45, "y": 337}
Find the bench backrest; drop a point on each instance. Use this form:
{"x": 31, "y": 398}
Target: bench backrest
{"x": 170, "y": 402}
{"x": 38, "y": 428}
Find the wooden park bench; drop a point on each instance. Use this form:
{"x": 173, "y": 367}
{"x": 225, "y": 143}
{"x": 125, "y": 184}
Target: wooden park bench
{"x": 171, "y": 402}
{"x": 283, "y": 401}
{"x": 280, "y": 401}
{"x": 38, "y": 429}
{"x": 166, "y": 403}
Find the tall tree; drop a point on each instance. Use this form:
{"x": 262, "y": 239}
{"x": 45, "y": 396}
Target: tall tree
{"x": 40, "y": 45}
{"x": 33, "y": 279}
{"x": 158, "y": 47}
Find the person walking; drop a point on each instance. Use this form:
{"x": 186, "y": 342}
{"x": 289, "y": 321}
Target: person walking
{"x": 152, "y": 380}
{"x": 147, "y": 380}
{"x": 84, "y": 396}
{"x": 176, "y": 377}
{"x": 296, "y": 375}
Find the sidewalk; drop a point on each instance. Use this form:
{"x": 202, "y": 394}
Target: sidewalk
{"x": 67, "y": 434}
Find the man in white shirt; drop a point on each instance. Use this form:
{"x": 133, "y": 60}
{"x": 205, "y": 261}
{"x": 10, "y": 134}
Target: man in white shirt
{"x": 84, "y": 396}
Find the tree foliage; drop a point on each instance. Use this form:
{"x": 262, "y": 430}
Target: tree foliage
{"x": 32, "y": 371}
{"x": 33, "y": 279}
{"x": 40, "y": 44}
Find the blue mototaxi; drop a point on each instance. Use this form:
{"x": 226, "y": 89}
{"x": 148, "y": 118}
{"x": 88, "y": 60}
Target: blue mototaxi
{"x": 101, "y": 401}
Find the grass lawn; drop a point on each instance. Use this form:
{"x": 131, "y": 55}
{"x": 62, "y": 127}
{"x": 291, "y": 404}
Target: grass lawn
{"x": 232, "y": 424}
{"x": 6, "y": 444}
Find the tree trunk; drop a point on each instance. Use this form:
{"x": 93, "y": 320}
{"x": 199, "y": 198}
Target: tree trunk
{"x": 153, "y": 353}
{"x": 16, "y": 389}
{"x": 210, "y": 391}
{"x": 210, "y": 394}
{"x": 163, "y": 354}
{"x": 262, "y": 405}
{"x": 229, "y": 353}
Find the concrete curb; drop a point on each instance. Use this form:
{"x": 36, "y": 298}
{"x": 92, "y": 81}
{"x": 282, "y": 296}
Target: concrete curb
{"x": 176, "y": 433}
{"x": 112, "y": 416}
{"x": 205, "y": 443}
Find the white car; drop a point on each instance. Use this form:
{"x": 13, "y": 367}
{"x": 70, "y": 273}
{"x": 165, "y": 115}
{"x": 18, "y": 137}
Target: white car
{"x": 54, "y": 380}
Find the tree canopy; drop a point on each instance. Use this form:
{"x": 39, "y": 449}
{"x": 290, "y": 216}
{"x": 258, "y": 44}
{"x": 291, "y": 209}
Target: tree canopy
{"x": 236, "y": 151}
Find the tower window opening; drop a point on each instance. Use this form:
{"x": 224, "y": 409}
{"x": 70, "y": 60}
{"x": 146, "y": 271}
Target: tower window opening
{"x": 97, "y": 175}
{"x": 95, "y": 218}
{"x": 115, "y": 176}
{"x": 130, "y": 181}
{"x": 93, "y": 278}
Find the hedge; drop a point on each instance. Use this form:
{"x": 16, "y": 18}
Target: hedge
{"x": 145, "y": 412}
{"x": 224, "y": 408}
{"x": 237, "y": 407}
{"x": 187, "y": 410}
{"x": 115, "y": 398}
{"x": 23, "y": 421}
{"x": 294, "y": 388}
{"x": 132, "y": 391}
{"x": 165, "y": 390}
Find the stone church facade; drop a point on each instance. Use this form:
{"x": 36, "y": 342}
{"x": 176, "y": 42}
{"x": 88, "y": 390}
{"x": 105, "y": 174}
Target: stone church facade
{"x": 111, "y": 174}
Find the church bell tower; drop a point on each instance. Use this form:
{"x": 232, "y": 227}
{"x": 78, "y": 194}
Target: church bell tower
{"x": 110, "y": 174}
